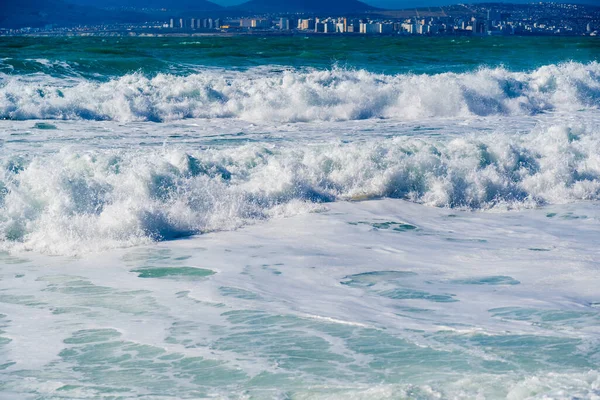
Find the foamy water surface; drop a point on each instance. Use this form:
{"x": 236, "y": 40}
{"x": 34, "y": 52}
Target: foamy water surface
{"x": 300, "y": 233}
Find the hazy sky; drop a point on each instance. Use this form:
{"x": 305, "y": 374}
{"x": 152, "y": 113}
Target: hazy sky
{"x": 396, "y": 4}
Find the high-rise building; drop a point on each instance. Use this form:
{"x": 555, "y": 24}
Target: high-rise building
{"x": 370, "y": 27}
{"x": 284, "y": 24}
{"x": 475, "y": 25}
{"x": 422, "y": 29}
{"x": 351, "y": 26}
{"x": 172, "y": 23}
{"x": 329, "y": 27}
{"x": 306, "y": 24}
{"x": 407, "y": 27}
{"x": 193, "y": 23}
{"x": 260, "y": 23}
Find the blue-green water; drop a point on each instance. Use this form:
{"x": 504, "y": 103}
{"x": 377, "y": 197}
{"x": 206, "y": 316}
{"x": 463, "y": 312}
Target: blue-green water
{"x": 100, "y": 58}
{"x": 299, "y": 218}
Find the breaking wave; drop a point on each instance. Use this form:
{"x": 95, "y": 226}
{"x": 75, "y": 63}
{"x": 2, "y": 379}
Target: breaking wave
{"x": 82, "y": 201}
{"x": 297, "y": 95}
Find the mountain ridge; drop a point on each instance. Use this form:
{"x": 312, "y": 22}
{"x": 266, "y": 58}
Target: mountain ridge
{"x": 39, "y": 13}
{"x": 171, "y": 5}
{"x": 304, "y": 6}
{"x": 36, "y": 13}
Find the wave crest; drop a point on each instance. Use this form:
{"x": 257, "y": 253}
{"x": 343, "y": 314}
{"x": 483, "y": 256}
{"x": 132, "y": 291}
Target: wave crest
{"x": 293, "y": 95}
{"x": 72, "y": 202}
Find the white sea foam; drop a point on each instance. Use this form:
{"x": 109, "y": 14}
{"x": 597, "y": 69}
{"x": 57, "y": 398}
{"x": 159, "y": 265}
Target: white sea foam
{"x": 75, "y": 201}
{"x": 362, "y": 299}
{"x": 332, "y": 305}
{"x": 295, "y": 95}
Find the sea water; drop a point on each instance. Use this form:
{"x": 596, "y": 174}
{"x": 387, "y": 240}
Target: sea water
{"x": 299, "y": 218}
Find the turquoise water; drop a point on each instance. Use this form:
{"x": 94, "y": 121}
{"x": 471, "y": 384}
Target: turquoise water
{"x": 299, "y": 218}
{"x": 100, "y": 58}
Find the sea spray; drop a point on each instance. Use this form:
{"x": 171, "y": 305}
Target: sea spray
{"x": 76, "y": 200}
{"x": 291, "y": 95}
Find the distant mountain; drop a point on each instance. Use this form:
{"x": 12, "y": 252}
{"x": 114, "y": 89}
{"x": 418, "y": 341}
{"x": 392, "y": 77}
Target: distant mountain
{"x": 304, "y": 6}
{"x": 37, "y": 13}
{"x": 169, "y": 5}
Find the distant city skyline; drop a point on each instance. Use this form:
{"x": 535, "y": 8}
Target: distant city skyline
{"x": 26, "y": 14}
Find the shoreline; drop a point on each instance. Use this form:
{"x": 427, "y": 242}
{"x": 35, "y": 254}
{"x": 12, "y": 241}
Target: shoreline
{"x": 140, "y": 34}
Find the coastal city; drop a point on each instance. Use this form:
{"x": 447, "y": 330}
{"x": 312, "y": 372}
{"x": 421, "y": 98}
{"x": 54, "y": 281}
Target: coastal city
{"x": 462, "y": 19}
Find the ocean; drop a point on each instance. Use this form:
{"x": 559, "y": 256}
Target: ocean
{"x": 300, "y": 217}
